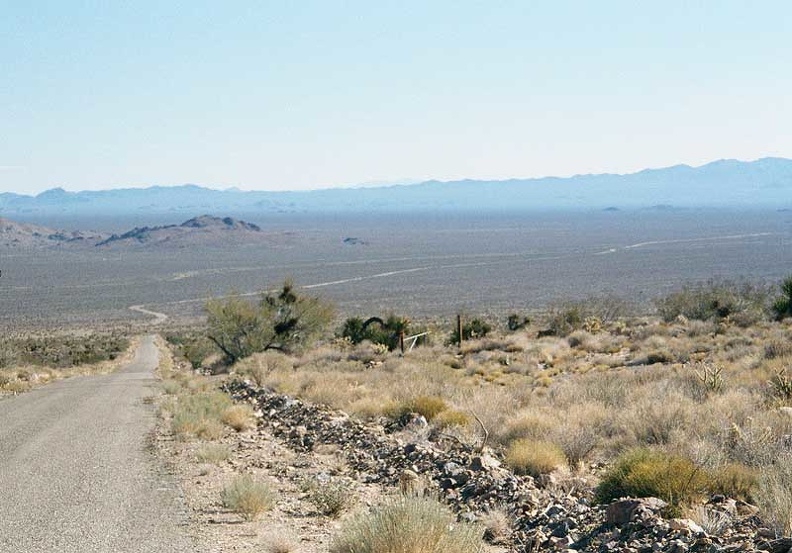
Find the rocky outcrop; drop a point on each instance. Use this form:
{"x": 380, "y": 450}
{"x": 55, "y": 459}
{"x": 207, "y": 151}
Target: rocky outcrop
{"x": 550, "y": 513}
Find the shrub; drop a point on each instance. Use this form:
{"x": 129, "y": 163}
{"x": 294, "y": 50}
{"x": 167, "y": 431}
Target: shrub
{"x": 475, "y": 328}
{"x": 376, "y": 330}
{"x": 405, "y": 524}
{"x": 534, "y": 457}
{"x": 282, "y": 322}
{"x": 200, "y": 414}
{"x": 642, "y": 472}
{"x": 782, "y": 305}
{"x": 247, "y": 497}
{"x": 773, "y": 497}
{"x": 330, "y": 498}
{"x": 715, "y": 300}
{"x": 735, "y": 480}
{"x": 516, "y": 322}
{"x": 428, "y": 406}
{"x": 450, "y": 417}
{"x": 213, "y": 453}
{"x": 239, "y": 417}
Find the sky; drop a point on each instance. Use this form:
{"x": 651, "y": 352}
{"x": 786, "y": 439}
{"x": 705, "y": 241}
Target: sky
{"x": 293, "y": 95}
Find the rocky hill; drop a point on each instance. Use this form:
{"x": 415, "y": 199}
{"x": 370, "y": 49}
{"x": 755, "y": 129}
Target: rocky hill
{"x": 205, "y": 230}
{"x": 24, "y": 235}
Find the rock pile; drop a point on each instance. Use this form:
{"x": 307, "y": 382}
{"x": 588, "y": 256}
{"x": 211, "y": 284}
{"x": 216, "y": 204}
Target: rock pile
{"x": 549, "y": 514}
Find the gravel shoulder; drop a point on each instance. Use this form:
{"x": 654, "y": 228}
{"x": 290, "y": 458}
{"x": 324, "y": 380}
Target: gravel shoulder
{"x": 77, "y": 470}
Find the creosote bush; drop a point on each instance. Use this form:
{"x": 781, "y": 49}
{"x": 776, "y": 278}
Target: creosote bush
{"x": 282, "y": 321}
{"x": 406, "y": 524}
{"x": 247, "y": 497}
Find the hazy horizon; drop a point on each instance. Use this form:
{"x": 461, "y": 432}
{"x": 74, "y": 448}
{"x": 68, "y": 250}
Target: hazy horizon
{"x": 315, "y": 95}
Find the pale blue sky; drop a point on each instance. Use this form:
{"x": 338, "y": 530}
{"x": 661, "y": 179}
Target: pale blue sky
{"x": 295, "y": 95}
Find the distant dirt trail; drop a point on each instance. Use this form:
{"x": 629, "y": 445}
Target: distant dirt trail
{"x": 158, "y": 317}
{"x": 75, "y": 472}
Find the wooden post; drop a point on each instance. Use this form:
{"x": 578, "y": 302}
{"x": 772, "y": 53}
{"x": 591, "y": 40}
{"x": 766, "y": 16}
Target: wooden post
{"x": 401, "y": 341}
{"x": 459, "y": 329}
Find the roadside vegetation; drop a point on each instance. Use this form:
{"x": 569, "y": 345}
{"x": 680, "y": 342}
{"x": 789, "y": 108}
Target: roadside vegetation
{"x": 28, "y": 360}
{"x": 691, "y": 403}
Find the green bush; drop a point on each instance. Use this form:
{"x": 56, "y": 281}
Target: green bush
{"x": 475, "y": 328}
{"x": 407, "y": 524}
{"x": 643, "y": 472}
{"x": 281, "y": 321}
{"x": 376, "y": 330}
{"x": 782, "y": 305}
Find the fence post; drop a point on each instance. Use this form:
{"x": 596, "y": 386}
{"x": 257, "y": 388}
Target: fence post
{"x": 401, "y": 341}
{"x": 459, "y": 328}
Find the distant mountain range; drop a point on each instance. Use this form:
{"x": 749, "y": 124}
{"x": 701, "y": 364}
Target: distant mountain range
{"x": 727, "y": 183}
{"x": 205, "y": 230}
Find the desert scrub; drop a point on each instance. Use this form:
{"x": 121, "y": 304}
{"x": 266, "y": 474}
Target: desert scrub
{"x": 247, "y": 497}
{"x": 428, "y": 406}
{"x": 200, "y": 414}
{"x": 331, "y": 498}
{"x": 239, "y": 417}
{"x": 643, "y": 472}
{"x": 534, "y": 457}
{"x": 65, "y": 351}
{"x": 213, "y": 453}
{"x": 405, "y": 524}
{"x": 773, "y": 497}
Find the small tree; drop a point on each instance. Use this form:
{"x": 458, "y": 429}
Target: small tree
{"x": 376, "y": 330}
{"x": 281, "y": 321}
{"x": 782, "y": 306}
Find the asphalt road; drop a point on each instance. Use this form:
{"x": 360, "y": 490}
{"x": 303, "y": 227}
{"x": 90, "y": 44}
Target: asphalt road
{"x": 75, "y": 472}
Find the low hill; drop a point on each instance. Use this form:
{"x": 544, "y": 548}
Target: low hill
{"x": 24, "y": 235}
{"x": 205, "y": 230}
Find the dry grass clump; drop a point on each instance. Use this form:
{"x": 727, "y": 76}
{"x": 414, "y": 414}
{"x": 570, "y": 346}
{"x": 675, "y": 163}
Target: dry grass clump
{"x": 239, "y": 417}
{"x": 213, "y": 453}
{"x": 279, "y": 543}
{"x": 497, "y": 523}
{"x": 405, "y": 524}
{"x": 534, "y": 457}
{"x": 200, "y": 415}
{"x": 428, "y": 406}
{"x": 773, "y": 496}
{"x": 247, "y": 497}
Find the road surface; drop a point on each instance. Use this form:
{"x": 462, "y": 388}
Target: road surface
{"x": 75, "y": 472}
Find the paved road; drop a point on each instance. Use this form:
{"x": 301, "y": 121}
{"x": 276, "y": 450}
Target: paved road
{"x": 75, "y": 473}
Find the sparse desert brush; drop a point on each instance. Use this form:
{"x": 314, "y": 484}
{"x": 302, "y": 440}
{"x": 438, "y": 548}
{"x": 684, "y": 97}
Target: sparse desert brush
{"x": 330, "y": 498}
{"x": 279, "y": 543}
{"x": 526, "y": 424}
{"x": 239, "y": 417}
{"x": 450, "y": 418}
{"x": 428, "y": 406}
{"x": 405, "y": 524}
{"x": 372, "y": 408}
{"x": 534, "y": 457}
{"x": 497, "y": 522}
{"x": 773, "y": 497}
{"x": 735, "y": 480}
{"x": 260, "y": 367}
{"x": 643, "y": 472}
{"x": 247, "y": 497}
{"x": 212, "y": 453}
{"x": 200, "y": 414}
